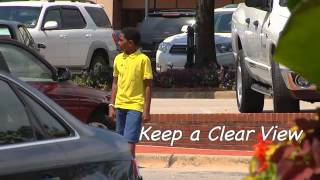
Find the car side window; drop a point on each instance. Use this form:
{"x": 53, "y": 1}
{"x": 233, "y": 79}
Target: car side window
{"x": 99, "y": 17}
{"x": 72, "y": 19}
{"x": 5, "y": 33}
{"x": 24, "y": 64}
{"x": 32, "y": 43}
{"x": 48, "y": 122}
{"x": 15, "y": 125}
{"x": 28, "y": 41}
{"x": 224, "y": 24}
{"x": 283, "y": 3}
{"x": 53, "y": 15}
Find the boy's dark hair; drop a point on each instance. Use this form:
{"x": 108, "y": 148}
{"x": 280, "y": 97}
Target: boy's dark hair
{"x": 132, "y": 34}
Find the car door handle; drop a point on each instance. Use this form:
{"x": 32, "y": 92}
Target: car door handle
{"x": 256, "y": 23}
{"x": 88, "y": 35}
{"x": 41, "y": 46}
{"x": 248, "y": 20}
{"x": 63, "y": 36}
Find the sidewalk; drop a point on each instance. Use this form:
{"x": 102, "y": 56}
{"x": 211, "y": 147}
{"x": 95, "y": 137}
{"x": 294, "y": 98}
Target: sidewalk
{"x": 190, "y": 158}
{"x": 194, "y": 93}
{"x": 144, "y": 149}
{"x": 210, "y": 106}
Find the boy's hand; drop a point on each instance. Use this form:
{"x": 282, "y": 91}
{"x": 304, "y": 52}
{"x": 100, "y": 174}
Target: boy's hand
{"x": 146, "y": 117}
{"x": 112, "y": 113}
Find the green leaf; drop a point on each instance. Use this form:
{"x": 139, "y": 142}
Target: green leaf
{"x": 293, "y": 3}
{"x": 299, "y": 44}
{"x": 253, "y": 166}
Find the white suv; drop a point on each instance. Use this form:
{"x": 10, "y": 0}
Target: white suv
{"x": 73, "y": 34}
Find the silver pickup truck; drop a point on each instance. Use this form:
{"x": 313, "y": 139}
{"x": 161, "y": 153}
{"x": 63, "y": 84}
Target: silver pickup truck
{"x": 256, "y": 27}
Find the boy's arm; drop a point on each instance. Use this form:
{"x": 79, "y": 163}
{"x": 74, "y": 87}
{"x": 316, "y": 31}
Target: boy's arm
{"x": 112, "y": 113}
{"x": 147, "y": 98}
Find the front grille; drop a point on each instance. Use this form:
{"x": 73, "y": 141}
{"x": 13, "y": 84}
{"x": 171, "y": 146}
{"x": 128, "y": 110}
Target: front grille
{"x": 178, "y": 49}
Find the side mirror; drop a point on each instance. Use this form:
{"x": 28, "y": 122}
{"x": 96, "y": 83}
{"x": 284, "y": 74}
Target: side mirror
{"x": 64, "y": 74}
{"x": 254, "y": 3}
{"x": 41, "y": 46}
{"x": 184, "y": 28}
{"x": 50, "y": 25}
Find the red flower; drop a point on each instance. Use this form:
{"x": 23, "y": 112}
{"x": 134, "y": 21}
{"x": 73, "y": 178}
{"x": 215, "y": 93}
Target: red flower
{"x": 260, "y": 150}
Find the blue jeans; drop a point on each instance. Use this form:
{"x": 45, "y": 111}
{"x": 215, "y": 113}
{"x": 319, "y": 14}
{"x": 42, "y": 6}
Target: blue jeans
{"x": 128, "y": 124}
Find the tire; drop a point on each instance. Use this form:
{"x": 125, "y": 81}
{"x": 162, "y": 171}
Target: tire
{"x": 100, "y": 120}
{"x": 248, "y": 100}
{"x": 99, "y": 64}
{"x": 283, "y": 102}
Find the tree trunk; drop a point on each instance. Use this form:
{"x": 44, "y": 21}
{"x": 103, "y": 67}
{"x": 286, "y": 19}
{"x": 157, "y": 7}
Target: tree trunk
{"x": 205, "y": 53}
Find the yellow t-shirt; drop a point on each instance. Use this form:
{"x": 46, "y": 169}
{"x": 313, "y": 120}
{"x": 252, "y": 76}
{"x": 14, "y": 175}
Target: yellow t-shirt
{"x": 131, "y": 71}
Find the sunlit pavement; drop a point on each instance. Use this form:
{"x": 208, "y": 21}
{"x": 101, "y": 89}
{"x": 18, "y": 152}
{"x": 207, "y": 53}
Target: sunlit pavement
{"x": 205, "y": 106}
{"x": 188, "y": 174}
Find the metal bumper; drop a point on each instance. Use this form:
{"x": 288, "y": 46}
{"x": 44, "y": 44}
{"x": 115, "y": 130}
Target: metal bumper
{"x": 309, "y": 93}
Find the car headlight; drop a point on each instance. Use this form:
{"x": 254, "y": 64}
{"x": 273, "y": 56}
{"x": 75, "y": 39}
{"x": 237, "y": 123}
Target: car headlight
{"x": 164, "y": 47}
{"x": 224, "y": 47}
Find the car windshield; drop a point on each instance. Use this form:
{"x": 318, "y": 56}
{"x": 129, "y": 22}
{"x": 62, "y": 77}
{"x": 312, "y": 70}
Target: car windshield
{"x": 26, "y": 15}
{"x": 24, "y": 65}
{"x": 222, "y": 22}
{"x": 165, "y": 25}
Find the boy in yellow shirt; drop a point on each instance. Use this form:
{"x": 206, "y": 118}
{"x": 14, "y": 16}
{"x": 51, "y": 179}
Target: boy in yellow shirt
{"x": 131, "y": 88}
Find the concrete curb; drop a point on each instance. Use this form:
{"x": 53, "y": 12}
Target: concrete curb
{"x": 215, "y": 162}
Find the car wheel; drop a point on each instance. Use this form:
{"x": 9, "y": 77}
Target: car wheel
{"x": 98, "y": 64}
{"x": 283, "y": 102}
{"x": 100, "y": 120}
{"x": 248, "y": 100}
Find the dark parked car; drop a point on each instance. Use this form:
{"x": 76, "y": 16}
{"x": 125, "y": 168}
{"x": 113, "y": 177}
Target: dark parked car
{"x": 87, "y": 104}
{"x": 40, "y": 140}
{"x": 160, "y": 25}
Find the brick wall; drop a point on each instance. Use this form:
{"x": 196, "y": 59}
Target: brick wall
{"x": 188, "y": 123}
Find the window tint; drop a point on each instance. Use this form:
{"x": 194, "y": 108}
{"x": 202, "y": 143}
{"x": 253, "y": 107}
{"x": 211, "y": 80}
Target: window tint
{"x": 99, "y": 17}
{"x": 26, "y": 15}
{"x": 163, "y": 25}
{"x": 224, "y": 23}
{"x": 48, "y": 122}
{"x": 283, "y": 3}
{"x": 28, "y": 41}
{"x": 5, "y": 32}
{"x": 24, "y": 65}
{"x": 72, "y": 19}
{"x": 53, "y": 15}
{"x": 15, "y": 125}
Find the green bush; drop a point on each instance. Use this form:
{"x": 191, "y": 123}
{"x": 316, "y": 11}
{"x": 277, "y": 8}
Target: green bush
{"x": 101, "y": 80}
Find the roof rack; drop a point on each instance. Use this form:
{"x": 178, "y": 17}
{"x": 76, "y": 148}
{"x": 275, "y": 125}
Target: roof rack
{"x": 172, "y": 10}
